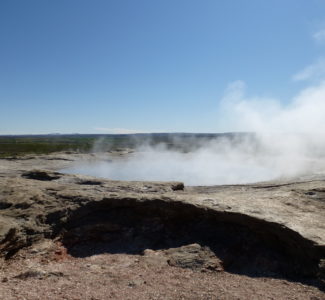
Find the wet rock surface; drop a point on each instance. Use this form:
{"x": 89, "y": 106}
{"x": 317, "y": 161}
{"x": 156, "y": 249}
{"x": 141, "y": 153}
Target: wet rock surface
{"x": 267, "y": 230}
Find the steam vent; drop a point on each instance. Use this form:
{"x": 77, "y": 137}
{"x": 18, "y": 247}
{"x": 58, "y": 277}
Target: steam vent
{"x": 51, "y": 222}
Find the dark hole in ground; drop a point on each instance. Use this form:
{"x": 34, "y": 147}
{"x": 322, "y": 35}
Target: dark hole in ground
{"x": 5, "y": 205}
{"x": 90, "y": 182}
{"x": 41, "y": 175}
{"x": 132, "y": 227}
{"x": 310, "y": 193}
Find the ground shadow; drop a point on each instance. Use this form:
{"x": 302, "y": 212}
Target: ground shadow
{"x": 244, "y": 245}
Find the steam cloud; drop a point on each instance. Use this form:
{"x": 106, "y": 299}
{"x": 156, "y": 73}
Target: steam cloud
{"x": 288, "y": 142}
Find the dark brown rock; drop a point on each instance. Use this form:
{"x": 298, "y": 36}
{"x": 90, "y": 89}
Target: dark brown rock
{"x": 194, "y": 257}
{"x": 178, "y": 186}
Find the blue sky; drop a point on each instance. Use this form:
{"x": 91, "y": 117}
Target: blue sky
{"x": 104, "y": 66}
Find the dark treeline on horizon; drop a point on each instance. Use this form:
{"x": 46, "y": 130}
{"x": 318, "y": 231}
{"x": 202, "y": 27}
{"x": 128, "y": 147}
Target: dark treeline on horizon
{"x": 16, "y": 145}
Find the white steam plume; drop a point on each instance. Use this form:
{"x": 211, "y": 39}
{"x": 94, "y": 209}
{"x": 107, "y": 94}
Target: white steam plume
{"x": 289, "y": 141}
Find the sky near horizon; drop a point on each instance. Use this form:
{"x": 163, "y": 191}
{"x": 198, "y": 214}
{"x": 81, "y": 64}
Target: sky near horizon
{"x": 104, "y": 66}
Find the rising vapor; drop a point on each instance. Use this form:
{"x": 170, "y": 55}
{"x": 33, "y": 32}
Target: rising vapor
{"x": 288, "y": 141}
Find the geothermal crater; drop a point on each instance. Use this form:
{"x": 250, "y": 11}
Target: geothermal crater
{"x": 200, "y": 238}
{"x": 203, "y": 166}
{"x": 266, "y": 230}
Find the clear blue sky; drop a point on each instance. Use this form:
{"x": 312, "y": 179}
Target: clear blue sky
{"x": 121, "y": 65}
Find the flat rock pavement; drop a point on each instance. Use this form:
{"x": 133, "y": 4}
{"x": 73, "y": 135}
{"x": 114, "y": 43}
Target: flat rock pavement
{"x": 38, "y": 202}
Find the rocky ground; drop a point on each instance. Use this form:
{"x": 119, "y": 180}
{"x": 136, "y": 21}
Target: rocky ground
{"x": 77, "y": 237}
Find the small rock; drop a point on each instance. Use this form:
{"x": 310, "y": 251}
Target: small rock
{"x": 42, "y": 246}
{"x": 40, "y": 274}
{"x": 136, "y": 282}
{"x": 31, "y": 274}
{"x": 194, "y": 257}
{"x": 178, "y": 186}
{"x": 154, "y": 258}
{"x": 55, "y": 274}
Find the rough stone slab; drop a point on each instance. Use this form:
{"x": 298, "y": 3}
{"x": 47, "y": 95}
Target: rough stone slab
{"x": 36, "y": 204}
